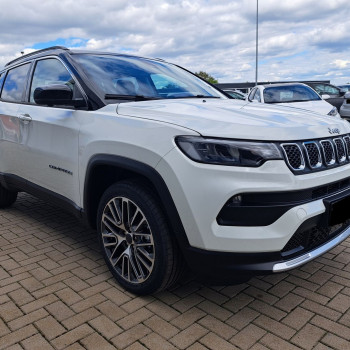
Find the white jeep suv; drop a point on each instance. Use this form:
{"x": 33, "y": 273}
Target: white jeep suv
{"x": 169, "y": 170}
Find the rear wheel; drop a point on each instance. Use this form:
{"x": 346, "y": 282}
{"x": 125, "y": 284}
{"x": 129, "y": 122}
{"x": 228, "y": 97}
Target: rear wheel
{"x": 135, "y": 239}
{"x": 7, "y": 198}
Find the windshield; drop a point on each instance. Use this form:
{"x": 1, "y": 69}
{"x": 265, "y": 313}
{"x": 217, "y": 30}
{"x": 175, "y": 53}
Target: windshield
{"x": 289, "y": 93}
{"x": 235, "y": 95}
{"x": 124, "y": 77}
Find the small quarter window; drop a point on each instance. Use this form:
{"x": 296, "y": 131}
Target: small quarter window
{"x": 15, "y": 83}
{"x": 251, "y": 95}
{"x": 257, "y": 96}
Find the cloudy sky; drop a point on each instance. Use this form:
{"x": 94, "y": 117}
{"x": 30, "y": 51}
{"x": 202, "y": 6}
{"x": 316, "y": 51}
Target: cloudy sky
{"x": 298, "y": 40}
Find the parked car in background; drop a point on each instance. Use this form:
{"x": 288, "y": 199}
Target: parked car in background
{"x": 330, "y": 93}
{"x": 345, "y": 87}
{"x": 345, "y": 107}
{"x": 236, "y": 94}
{"x": 294, "y": 95}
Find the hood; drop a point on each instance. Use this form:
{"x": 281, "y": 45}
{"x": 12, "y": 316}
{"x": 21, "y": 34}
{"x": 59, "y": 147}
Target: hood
{"x": 320, "y": 106}
{"x": 237, "y": 119}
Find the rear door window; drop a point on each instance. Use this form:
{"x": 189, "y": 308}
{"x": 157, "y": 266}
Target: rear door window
{"x": 15, "y": 83}
{"x": 331, "y": 90}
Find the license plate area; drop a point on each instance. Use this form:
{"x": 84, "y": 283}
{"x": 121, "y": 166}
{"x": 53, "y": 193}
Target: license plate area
{"x": 338, "y": 210}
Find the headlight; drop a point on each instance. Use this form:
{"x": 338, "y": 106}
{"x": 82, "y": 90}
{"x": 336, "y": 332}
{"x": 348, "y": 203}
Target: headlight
{"x": 227, "y": 152}
{"x": 333, "y": 112}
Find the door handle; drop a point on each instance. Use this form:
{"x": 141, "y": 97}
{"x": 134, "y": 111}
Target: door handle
{"x": 25, "y": 118}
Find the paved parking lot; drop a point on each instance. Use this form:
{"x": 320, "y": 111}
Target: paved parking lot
{"x": 56, "y": 293}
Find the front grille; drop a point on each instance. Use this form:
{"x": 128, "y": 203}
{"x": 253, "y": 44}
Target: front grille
{"x": 347, "y": 144}
{"x": 339, "y": 144}
{"x": 294, "y": 156}
{"x": 328, "y": 151}
{"x": 313, "y": 154}
{"x": 318, "y": 154}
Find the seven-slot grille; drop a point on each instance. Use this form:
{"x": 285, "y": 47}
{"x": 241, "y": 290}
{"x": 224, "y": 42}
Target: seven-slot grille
{"x": 313, "y": 154}
{"x": 317, "y": 154}
{"x": 328, "y": 152}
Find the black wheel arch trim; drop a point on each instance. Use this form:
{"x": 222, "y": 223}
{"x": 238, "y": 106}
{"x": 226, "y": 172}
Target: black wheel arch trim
{"x": 150, "y": 174}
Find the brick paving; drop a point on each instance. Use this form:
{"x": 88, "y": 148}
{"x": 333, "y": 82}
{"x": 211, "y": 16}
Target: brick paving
{"x": 56, "y": 293}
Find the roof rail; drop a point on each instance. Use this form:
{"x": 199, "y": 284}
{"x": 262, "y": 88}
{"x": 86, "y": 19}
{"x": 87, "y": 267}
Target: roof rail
{"x": 36, "y": 52}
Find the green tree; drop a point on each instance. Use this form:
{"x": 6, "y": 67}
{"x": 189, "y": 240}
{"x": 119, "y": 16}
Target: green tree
{"x": 207, "y": 77}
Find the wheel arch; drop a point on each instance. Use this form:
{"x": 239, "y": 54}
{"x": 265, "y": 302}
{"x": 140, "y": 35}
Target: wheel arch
{"x": 103, "y": 170}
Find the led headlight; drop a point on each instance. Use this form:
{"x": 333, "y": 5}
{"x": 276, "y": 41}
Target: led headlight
{"x": 334, "y": 112}
{"x": 227, "y": 152}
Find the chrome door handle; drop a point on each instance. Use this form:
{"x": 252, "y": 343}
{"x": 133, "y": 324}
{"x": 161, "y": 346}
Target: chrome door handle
{"x": 25, "y": 117}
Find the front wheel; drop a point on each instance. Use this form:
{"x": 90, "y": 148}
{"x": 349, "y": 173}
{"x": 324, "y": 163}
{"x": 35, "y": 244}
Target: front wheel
{"x": 135, "y": 239}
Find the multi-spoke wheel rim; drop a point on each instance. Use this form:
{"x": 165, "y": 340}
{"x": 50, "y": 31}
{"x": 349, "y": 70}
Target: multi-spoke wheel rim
{"x": 127, "y": 240}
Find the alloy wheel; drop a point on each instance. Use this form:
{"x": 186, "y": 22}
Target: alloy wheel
{"x": 127, "y": 240}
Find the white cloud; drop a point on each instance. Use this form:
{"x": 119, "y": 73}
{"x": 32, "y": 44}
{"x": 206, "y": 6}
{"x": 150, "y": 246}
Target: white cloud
{"x": 300, "y": 39}
{"x": 341, "y": 63}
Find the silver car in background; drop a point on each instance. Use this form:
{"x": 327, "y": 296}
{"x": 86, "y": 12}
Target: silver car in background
{"x": 345, "y": 107}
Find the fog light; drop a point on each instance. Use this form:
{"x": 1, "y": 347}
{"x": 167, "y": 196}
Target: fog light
{"x": 236, "y": 200}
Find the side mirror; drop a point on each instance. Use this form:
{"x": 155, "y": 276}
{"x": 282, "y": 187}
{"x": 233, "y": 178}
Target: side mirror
{"x": 56, "y": 95}
{"x": 325, "y": 96}
{"x": 347, "y": 95}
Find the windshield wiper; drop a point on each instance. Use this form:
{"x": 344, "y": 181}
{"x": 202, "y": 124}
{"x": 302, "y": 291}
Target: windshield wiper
{"x": 130, "y": 97}
{"x": 196, "y": 96}
{"x": 290, "y": 101}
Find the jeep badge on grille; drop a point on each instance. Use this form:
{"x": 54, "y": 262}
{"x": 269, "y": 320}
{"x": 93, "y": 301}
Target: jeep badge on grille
{"x": 334, "y": 131}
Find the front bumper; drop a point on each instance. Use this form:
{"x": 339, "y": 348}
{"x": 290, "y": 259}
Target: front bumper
{"x": 228, "y": 267}
{"x": 299, "y": 228}
{"x": 304, "y": 258}
{"x": 200, "y": 191}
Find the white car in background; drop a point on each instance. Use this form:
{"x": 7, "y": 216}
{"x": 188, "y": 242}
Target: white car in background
{"x": 296, "y": 95}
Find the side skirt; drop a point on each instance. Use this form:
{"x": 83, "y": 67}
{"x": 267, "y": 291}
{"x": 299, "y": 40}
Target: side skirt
{"x": 16, "y": 183}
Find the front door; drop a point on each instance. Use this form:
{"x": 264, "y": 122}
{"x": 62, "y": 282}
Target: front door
{"x": 49, "y": 143}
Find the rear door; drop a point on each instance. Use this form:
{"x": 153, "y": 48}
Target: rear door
{"x": 12, "y": 95}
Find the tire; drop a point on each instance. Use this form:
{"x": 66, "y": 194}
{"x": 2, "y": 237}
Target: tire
{"x": 135, "y": 239}
{"x": 7, "y": 198}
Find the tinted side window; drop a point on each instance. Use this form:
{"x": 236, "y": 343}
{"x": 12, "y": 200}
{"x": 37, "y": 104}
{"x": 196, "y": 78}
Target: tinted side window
{"x": 51, "y": 72}
{"x": 319, "y": 89}
{"x": 15, "y": 83}
{"x": 331, "y": 90}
